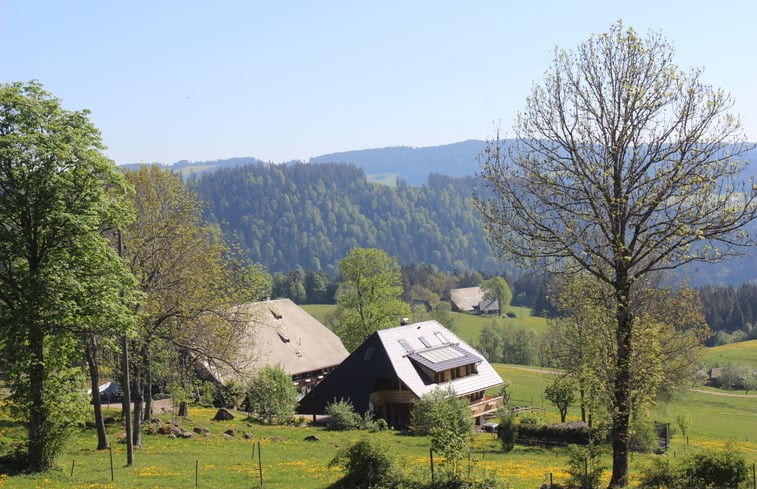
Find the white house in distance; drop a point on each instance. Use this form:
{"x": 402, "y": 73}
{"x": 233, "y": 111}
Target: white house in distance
{"x": 471, "y": 299}
{"x": 394, "y": 367}
{"x": 284, "y": 334}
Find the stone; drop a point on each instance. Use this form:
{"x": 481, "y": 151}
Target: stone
{"x": 223, "y": 414}
{"x": 201, "y": 431}
{"x": 312, "y": 438}
{"x": 230, "y": 432}
{"x": 248, "y": 436}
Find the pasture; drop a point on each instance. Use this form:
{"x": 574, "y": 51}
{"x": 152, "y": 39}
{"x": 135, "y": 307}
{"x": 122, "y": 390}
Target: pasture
{"x": 291, "y": 462}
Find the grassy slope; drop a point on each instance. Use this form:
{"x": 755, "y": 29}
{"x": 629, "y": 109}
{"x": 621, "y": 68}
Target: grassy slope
{"x": 743, "y": 353}
{"x": 468, "y": 326}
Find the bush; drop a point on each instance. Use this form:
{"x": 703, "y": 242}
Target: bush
{"x": 721, "y": 469}
{"x": 342, "y": 416}
{"x": 575, "y": 432}
{"x": 272, "y": 396}
{"x": 709, "y": 469}
{"x": 506, "y": 432}
{"x": 643, "y": 437}
{"x": 366, "y": 466}
{"x": 583, "y": 470}
{"x": 530, "y": 418}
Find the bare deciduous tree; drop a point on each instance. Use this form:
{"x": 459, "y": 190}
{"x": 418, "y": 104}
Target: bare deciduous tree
{"x": 623, "y": 166}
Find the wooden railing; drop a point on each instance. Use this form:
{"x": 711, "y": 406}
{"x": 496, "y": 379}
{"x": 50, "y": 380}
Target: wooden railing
{"x": 385, "y": 397}
{"x": 486, "y": 406}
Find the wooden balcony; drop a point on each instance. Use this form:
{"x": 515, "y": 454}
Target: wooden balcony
{"x": 380, "y": 398}
{"x": 486, "y": 406}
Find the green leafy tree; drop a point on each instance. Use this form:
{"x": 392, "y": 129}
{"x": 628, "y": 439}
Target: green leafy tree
{"x": 497, "y": 289}
{"x": 367, "y": 465}
{"x": 623, "y": 167}
{"x": 562, "y": 393}
{"x": 368, "y": 295}
{"x": 272, "y": 395}
{"x": 59, "y": 276}
{"x": 192, "y": 280}
{"x": 447, "y": 420}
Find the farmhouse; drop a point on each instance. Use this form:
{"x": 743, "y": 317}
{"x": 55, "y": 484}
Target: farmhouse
{"x": 284, "y": 334}
{"x": 394, "y": 367}
{"x": 471, "y": 299}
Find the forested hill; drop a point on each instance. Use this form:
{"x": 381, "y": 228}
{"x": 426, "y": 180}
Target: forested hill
{"x": 312, "y": 215}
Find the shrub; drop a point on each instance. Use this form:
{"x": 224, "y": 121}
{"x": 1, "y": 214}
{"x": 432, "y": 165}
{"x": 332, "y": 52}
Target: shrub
{"x": 342, "y": 416}
{"x": 272, "y": 396}
{"x": 643, "y": 437}
{"x": 721, "y": 469}
{"x": 366, "y": 466}
{"x": 575, "y": 432}
{"x": 709, "y": 469}
{"x": 506, "y": 432}
{"x": 583, "y": 467}
{"x": 531, "y": 418}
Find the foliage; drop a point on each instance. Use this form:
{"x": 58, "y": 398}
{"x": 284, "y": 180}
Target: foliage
{"x": 507, "y": 431}
{"x": 624, "y": 167}
{"x": 575, "y": 432}
{"x": 496, "y": 288}
{"x": 367, "y": 466}
{"x": 730, "y": 312}
{"x": 342, "y": 416}
{"x": 738, "y": 377}
{"x": 272, "y": 396}
{"x": 368, "y": 296}
{"x": 643, "y": 437}
{"x": 447, "y": 419}
{"x": 562, "y": 393}
{"x": 313, "y": 215}
{"x": 59, "y": 277}
{"x": 708, "y": 469}
{"x": 501, "y": 341}
{"x": 193, "y": 279}
{"x": 584, "y": 468}
{"x": 683, "y": 421}
{"x": 230, "y": 394}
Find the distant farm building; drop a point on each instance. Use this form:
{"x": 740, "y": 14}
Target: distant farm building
{"x": 471, "y": 299}
{"x": 394, "y": 367}
{"x": 284, "y": 334}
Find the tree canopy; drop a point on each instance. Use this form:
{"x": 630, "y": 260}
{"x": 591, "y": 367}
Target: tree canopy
{"x": 624, "y": 166}
{"x": 368, "y": 296}
{"x": 59, "y": 275}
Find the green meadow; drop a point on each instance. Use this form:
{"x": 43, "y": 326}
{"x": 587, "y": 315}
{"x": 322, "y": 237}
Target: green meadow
{"x": 742, "y": 353}
{"x": 288, "y": 461}
{"x": 467, "y": 326}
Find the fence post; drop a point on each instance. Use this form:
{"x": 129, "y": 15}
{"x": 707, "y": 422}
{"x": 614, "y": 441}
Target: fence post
{"x": 260, "y": 465}
{"x": 73, "y": 462}
{"x": 197, "y": 472}
{"x": 110, "y": 450}
{"x": 431, "y": 457}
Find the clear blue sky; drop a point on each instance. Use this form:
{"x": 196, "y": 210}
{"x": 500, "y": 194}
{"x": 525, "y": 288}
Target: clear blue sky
{"x": 173, "y": 80}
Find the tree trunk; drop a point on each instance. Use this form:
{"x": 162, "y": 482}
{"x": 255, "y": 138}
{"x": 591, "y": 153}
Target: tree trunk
{"x": 127, "y": 398}
{"x": 148, "y": 387}
{"x": 622, "y": 388}
{"x": 94, "y": 377}
{"x": 582, "y": 395}
{"x": 184, "y": 409}
{"x": 39, "y": 456}
{"x": 138, "y": 403}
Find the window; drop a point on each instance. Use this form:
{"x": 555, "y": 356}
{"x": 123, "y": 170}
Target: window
{"x": 424, "y": 341}
{"x": 441, "y": 338}
{"x": 405, "y": 345}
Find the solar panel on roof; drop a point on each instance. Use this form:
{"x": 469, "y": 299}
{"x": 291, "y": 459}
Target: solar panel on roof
{"x": 441, "y": 354}
{"x": 405, "y": 345}
{"x": 424, "y": 341}
{"x": 441, "y": 337}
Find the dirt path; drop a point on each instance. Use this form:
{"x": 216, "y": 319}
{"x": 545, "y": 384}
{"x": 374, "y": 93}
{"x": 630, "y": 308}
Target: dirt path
{"x": 726, "y": 394}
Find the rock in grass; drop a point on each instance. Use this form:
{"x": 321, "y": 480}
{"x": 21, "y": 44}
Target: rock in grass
{"x": 223, "y": 414}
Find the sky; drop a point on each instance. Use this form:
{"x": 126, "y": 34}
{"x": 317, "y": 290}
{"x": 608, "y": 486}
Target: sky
{"x": 189, "y": 80}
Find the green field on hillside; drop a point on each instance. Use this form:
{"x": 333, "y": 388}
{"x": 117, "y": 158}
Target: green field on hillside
{"x": 742, "y": 353}
{"x": 467, "y": 326}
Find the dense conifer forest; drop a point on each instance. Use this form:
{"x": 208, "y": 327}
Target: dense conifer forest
{"x": 311, "y": 215}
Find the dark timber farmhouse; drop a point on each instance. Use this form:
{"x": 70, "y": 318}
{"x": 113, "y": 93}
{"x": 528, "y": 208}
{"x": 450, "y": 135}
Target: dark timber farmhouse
{"x": 394, "y": 367}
